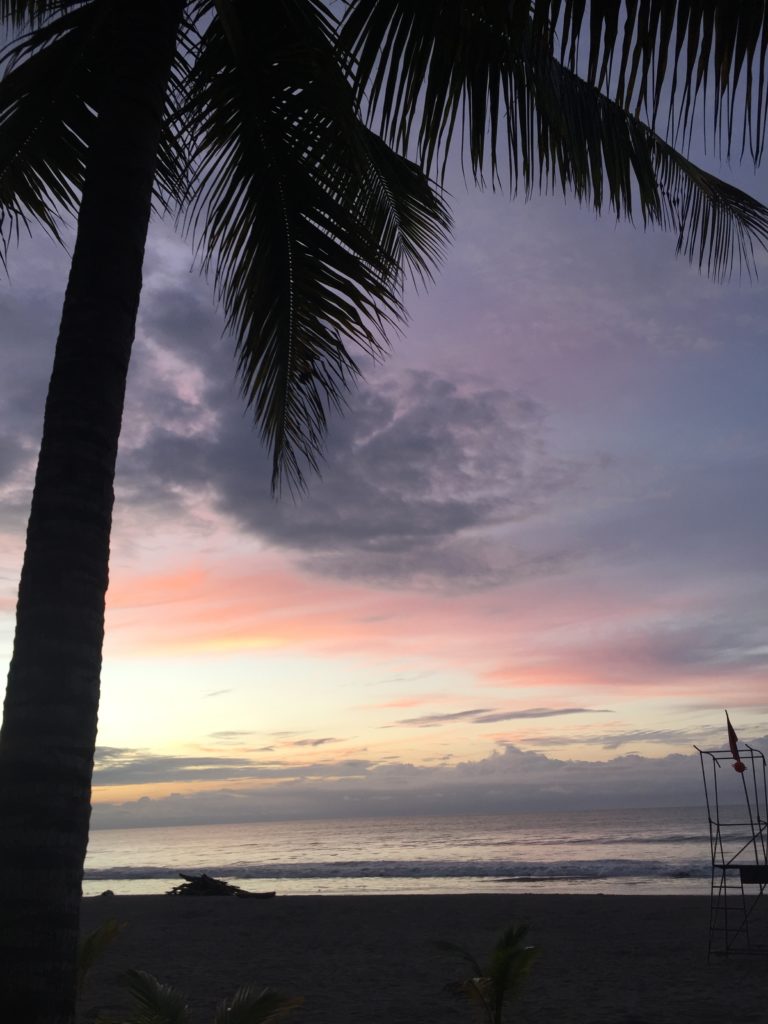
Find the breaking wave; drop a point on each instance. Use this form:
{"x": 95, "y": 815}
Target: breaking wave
{"x": 501, "y": 870}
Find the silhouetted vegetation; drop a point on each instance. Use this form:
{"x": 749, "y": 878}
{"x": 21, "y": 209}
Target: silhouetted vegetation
{"x": 158, "y": 1003}
{"x": 490, "y": 988}
{"x": 92, "y": 947}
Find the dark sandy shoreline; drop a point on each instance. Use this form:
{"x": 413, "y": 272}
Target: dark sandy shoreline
{"x": 372, "y": 960}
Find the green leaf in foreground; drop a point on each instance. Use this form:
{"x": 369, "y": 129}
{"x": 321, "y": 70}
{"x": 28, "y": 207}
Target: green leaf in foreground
{"x": 92, "y": 947}
{"x": 157, "y": 1003}
{"x": 491, "y": 987}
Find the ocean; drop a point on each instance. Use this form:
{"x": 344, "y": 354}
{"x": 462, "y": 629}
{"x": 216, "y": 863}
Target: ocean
{"x": 653, "y": 851}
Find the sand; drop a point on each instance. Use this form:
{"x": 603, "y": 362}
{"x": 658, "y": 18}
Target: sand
{"x": 371, "y": 959}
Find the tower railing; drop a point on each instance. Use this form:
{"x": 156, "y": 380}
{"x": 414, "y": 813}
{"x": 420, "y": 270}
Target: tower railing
{"x": 737, "y": 809}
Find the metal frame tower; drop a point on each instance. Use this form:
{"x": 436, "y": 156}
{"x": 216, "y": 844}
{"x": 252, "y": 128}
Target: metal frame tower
{"x": 738, "y": 836}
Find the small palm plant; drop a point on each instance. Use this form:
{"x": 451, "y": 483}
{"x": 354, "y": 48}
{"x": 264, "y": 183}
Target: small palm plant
{"x": 157, "y": 1003}
{"x": 490, "y": 988}
{"x": 92, "y": 947}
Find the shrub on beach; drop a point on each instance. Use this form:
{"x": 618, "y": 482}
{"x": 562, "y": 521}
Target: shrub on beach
{"x": 91, "y": 948}
{"x": 490, "y": 988}
{"x": 156, "y": 1003}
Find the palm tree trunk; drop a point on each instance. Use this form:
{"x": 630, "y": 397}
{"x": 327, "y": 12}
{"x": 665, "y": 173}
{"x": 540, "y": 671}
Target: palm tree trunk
{"x": 49, "y": 727}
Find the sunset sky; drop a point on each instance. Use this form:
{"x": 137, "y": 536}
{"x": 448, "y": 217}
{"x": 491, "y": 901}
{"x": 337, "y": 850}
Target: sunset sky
{"x": 534, "y": 572}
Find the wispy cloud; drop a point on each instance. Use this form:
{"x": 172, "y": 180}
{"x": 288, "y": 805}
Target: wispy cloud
{"x": 440, "y": 719}
{"x": 484, "y": 716}
{"x": 407, "y": 701}
{"x": 630, "y": 738}
{"x": 321, "y": 742}
{"x": 115, "y": 767}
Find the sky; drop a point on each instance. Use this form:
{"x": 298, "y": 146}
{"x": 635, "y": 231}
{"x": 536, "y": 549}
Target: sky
{"x": 532, "y": 574}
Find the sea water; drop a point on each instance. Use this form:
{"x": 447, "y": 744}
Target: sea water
{"x": 660, "y": 851}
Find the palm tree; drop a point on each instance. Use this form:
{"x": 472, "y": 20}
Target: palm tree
{"x": 305, "y": 220}
{"x": 244, "y": 121}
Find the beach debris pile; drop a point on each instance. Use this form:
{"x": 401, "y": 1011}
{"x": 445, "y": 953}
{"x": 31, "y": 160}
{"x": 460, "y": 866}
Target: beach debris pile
{"x": 204, "y": 885}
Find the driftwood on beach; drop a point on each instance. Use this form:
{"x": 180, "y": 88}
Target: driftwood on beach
{"x": 204, "y": 885}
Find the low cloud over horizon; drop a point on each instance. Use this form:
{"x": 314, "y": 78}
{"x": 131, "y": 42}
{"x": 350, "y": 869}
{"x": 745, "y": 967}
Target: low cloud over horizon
{"x": 508, "y": 780}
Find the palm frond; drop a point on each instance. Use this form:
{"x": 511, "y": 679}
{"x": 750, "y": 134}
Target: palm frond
{"x": 511, "y": 961}
{"x": 717, "y": 224}
{"x": 156, "y": 1003}
{"x": 648, "y": 55}
{"x": 303, "y": 218}
{"x": 254, "y": 1005}
{"x": 436, "y": 70}
{"x": 49, "y": 98}
{"x": 439, "y": 65}
{"x": 458, "y": 951}
{"x": 43, "y": 131}
{"x": 33, "y": 12}
{"x": 651, "y": 55}
{"x": 92, "y": 946}
{"x": 408, "y": 213}
{"x": 593, "y": 148}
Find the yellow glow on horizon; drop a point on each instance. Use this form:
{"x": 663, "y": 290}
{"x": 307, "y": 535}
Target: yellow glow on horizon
{"x": 150, "y": 790}
{"x": 240, "y": 642}
{"x": 157, "y": 790}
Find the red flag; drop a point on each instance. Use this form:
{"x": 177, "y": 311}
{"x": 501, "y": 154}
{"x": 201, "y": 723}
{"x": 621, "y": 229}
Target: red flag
{"x": 733, "y": 743}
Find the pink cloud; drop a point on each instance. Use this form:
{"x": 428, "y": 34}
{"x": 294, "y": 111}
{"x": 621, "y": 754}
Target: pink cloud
{"x": 528, "y": 637}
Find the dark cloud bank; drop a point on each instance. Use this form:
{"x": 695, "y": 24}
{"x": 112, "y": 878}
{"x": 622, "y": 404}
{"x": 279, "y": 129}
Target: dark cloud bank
{"x": 421, "y": 478}
{"x": 509, "y": 780}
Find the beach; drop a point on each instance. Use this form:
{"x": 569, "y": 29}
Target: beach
{"x": 373, "y": 960}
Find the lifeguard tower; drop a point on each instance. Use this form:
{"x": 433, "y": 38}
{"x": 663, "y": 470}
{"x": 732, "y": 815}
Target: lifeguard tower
{"x": 737, "y": 798}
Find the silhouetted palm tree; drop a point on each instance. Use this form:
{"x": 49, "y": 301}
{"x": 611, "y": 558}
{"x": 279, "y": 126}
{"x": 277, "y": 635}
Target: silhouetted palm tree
{"x": 243, "y": 119}
{"x": 239, "y": 116}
